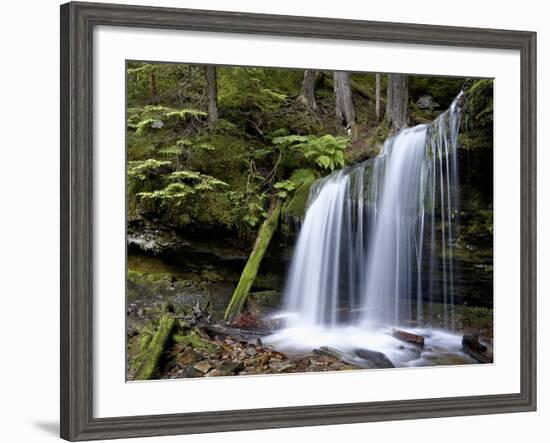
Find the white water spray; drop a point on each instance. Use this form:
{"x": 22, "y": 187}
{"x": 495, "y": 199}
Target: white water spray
{"x": 375, "y": 247}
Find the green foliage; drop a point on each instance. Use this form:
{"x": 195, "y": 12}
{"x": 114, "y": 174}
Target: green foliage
{"x": 171, "y": 151}
{"x": 186, "y": 114}
{"x": 143, "y": 120}
{"x": 254, "y": 211}
{"x": 284, "y": 188}
{"x": 326, "y": 152}
{"x": 256, "y": 88}
{"x": 181, "y": 184}
{"x": 265, "y": 145}
{"x": 141, "y": 170}
{"x": 144, "y": 125}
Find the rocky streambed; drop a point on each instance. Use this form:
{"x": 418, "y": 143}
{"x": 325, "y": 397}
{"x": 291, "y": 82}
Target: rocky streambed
{"x": 188, "y": 292}
{"x": 163, "y": 344}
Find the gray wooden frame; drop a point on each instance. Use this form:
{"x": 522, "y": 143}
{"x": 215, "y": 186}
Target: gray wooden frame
{"x": 77, "y": 23}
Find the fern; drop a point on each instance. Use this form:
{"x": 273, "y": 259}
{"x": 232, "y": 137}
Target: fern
{"x": 140, "y": 170}
{"x": 186, "y": 114}
{"x": 182, "y": 184}
{"x": 326, "y": 152}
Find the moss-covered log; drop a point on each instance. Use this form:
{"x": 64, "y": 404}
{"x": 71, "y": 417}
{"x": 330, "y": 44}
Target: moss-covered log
{"x": 253, "y": 264}
{"x": 156, "y": 347}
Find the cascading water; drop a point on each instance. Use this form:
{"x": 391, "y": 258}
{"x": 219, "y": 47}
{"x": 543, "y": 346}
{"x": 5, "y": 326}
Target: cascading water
{"x": 374, "y": 249}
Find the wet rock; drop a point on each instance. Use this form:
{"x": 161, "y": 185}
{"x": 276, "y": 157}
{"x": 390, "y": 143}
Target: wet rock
{"x": 374, "y": 359}
{"x": 191, "y": 372}
{"x": 472, "y": 341}
{"x": 475, "y": 349}
{"x": 231, "y": 367}
{"x": 214, "y": 373}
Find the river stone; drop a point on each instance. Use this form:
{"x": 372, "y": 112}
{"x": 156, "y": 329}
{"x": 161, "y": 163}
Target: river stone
{"x": 203, "y": 366}
{"x": 191, "y": 372}
{"x": 231, "y": 367}
{"x": 374, "y": 359}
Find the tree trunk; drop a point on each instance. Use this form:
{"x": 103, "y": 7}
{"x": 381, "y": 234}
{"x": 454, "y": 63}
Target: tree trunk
{"x": 153, "y": 90}
{"x": 156, "y": 348}
{"x": 378, "y": 98}
{"x": 345, "y": 111}
{"x": 212, "y": 81}
{"x": 253, "y": 264}
{"x": 307, "y": 96}
{"x": 397, "y": 100}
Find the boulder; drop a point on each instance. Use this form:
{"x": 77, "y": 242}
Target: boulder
{"x": 427, "y": 102}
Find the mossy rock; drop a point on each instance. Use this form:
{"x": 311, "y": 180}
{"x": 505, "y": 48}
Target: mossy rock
{"x": 476, "y": 131}
{"x": 295, "y": 206}
{"x": 194, "y": 340}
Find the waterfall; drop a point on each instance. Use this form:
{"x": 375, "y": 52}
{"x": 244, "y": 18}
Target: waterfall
{"x": 375, "y": 246}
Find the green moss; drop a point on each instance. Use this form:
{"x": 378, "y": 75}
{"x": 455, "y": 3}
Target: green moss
{"x": 476, "y": 130}
{"x": 253, "y": 264}
{"x": 195, "y": 341}
{"x": 295, "y": 207}
{"x": 155, "y": 348}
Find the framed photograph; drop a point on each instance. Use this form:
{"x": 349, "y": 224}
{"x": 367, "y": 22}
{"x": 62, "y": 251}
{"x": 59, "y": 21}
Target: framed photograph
{"x": 272, "y": 221}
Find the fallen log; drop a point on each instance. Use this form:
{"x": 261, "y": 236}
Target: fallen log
{"x": 408, "y": 337}
{"x": 155, "y": 348}
{"x": 475, "y": 349}
{"x": 253, "y": 264}
{"x": 241, "y": 335}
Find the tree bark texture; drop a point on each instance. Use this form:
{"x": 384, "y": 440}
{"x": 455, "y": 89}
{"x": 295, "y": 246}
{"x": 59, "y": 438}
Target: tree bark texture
{"x": 345, "y": 111}
{"x": 397, "y": 100}
{"x": 377, "y": 105}
{"x": 153, "y": 90}
{"x": 212, "y": 81}
{"x": 307, "y": 95}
